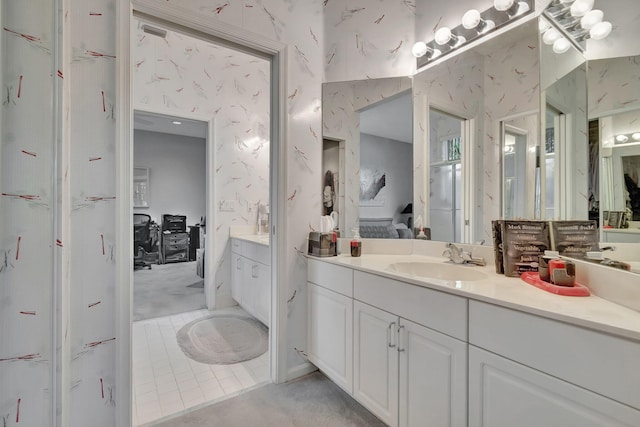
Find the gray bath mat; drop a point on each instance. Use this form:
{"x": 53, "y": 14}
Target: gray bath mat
{"x": 223, "y": 339}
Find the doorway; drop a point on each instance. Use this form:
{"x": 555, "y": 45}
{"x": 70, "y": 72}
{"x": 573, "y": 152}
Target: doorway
{"x": 230, "y": 91}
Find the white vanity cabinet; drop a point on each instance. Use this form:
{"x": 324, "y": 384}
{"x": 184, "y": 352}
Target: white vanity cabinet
{"x": 528, "y": 370}
{"x": 408, "y": 374}
{"x": 330, "y": 321}
{"x": 425, "y": 357}
{"x": 251, "y": 278}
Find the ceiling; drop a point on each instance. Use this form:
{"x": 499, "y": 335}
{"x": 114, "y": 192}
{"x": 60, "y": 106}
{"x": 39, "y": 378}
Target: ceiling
{"x": 391, "y": 118}
{"x": 164, "y": 124}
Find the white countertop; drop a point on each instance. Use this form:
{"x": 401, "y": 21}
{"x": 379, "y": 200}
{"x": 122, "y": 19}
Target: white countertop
{"x": 592, "y": 312}
{"x": 261, "y": 239}
{"x": 622, "y": 230}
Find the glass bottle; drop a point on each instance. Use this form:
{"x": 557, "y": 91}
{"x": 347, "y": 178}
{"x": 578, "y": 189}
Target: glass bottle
{"x": 356, "y": 243}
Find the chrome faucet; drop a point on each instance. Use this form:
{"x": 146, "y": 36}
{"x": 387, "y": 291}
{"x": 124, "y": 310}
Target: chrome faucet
{"x": 459, "y": 256}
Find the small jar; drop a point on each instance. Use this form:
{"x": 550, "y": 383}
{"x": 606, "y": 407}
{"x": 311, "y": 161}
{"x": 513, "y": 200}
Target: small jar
{"x": 356, "y": 244}
{"x": 543, "y": 264}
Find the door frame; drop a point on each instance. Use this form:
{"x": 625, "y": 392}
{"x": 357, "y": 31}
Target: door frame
{"x": 210, "y": 188}
{"x": 213, "y": 30}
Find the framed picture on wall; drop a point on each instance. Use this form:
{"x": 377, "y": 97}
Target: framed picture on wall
{"x": 372, "y": 184}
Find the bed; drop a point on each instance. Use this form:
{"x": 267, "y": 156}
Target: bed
{"x": 383, "y": 228}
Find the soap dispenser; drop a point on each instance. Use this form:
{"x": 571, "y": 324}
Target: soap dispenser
{"x": 356, "y": 243}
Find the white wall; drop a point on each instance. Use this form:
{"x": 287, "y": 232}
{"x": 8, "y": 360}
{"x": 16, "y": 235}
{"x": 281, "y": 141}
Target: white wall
{"x": 395, "y": 159}
{"x": 177, "y": 174}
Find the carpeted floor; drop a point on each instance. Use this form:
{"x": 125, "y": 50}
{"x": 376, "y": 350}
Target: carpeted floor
{"x": 310, "y": 401}
{"x": 167, "y": 289}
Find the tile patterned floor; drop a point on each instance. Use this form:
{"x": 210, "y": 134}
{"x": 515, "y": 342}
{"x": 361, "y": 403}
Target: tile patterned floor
{"x": 166, "y": 382}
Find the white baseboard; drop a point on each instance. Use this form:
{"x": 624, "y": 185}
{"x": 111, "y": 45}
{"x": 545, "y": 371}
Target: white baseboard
{"x": 300, "y": 370}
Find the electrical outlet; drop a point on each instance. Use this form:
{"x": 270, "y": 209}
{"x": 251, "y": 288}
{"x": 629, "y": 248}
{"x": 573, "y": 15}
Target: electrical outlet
{"x": 227, "y": 205}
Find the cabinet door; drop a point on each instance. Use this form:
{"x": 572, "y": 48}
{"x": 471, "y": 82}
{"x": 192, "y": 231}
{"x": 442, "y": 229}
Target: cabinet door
{"x": 237, "y": 267}
{"x": 263, "y": 293}
{"x": 330, "y": 334}
{"x": 433, "y": 377}
{"x": 375, "y": 363}
{"x": 250, "y": 286}
{"x": 503, "y": 393}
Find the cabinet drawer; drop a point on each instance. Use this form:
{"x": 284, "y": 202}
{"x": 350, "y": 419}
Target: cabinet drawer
{"x": 256, "y": 252}
{"x": 177, "y": 238}
{"x": 338, "y": 279}
{"x": 437, "y": 310}
{"x": 175, "y": 247}
{"x": 602, "y": 363}
{"x": 236, "y": 246}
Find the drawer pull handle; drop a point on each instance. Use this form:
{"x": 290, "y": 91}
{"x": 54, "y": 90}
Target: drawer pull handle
{"x": 400, "y": 346}
{"x": 254, "y": 271}
{"x": 238, "y": 264}
{"x": 390, "y": 335}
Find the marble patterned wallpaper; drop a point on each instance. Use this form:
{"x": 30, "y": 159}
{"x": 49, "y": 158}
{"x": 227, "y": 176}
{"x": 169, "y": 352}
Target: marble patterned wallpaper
{"x": 183, "y": 75}
{"x": 366, "y": 39}
{"x": 614, "y": 84}
{"x": 27, "y": 206}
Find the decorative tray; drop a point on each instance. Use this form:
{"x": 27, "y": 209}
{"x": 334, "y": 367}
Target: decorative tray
{"x": 577, "y": 290}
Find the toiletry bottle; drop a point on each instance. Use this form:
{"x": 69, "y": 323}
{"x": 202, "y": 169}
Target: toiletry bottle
{"x": 356, "y": 243}
{"x": 421, "y": 234}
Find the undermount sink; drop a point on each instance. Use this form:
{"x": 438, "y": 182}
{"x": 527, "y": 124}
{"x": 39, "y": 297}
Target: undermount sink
{"x": 438, "y": 270}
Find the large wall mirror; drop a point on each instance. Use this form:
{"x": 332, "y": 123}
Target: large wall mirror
{"x": 614, "y": 112}
{"x": 530, "y": 127}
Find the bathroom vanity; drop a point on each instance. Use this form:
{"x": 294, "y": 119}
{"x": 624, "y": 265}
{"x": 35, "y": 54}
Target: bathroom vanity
{"x": 486, "y": 351}
{"x": 251, "y": 274}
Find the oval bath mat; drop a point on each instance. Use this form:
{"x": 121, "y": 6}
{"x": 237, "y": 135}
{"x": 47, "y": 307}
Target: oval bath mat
{"x": 223, "y": 339}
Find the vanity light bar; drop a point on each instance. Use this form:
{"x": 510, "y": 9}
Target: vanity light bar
{"x": 577, "y": 21}
{"x": 627, "y": 138}
{"x": 474, "y": 25}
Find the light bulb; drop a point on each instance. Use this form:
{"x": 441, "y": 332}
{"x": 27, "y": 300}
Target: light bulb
{"x": 600, "y": 30}
{"x": 550, "y": 36}
{"x": 502, "y": 5}
{"x": 443, "y": 35}
{"x": 561, "y": 45}
{"x": 591, "y": 18}
{"x": 581, "y": 7}
{"x": 622, "y": 138}
{"x": 471, "y": 19}
{"x": 543, "y": 26}
{"x": 636, "y": 136}
{"x": 523, "y": 8}
{"x": 419, "y": 49}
